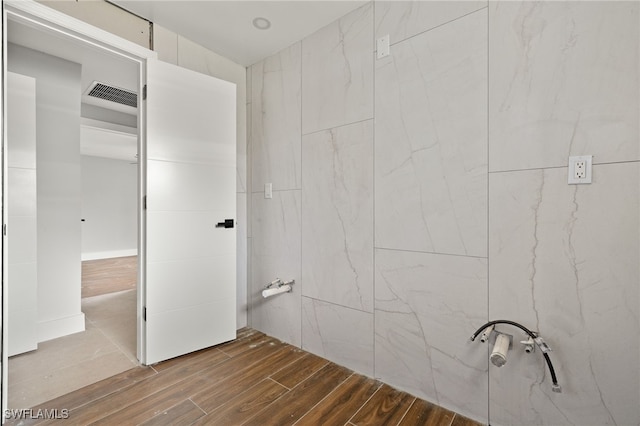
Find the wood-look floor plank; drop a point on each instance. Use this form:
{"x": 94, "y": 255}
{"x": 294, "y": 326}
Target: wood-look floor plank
{"x": 244, "y": 406}
{"x": 212, "y": 397}
{"x": 184, "y": 413}
{"x": 341, "y": 404}
{"x": 290, "y": 407}
{"x": 459, "y": 420}
{"x": 95, "y": 391}
{"x": 158, "y": 402}
{"x": 103, "y": 407}
{"x": 245, "y": 332}
{"x": 238, "y": 346}
{"x": 104, "y": 276}
{"x": 206, "y": 377}
{"x": 386, "y": 407}
{"x": 300, "y": 370}
{"x": 196, "y": 356}
{"x": 242, "y": 337}
{"x": 265, "y": 382}
{"x": 423, "y": 413}
{"x": 224, "y": 381}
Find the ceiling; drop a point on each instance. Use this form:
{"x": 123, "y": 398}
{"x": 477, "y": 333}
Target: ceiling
{"x": 226, "y": 27}
{"x": 108, "y": 129}
{"x": 97, "y": 65}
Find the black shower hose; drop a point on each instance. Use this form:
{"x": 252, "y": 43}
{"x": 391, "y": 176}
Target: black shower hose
{"x": 531, "y": 334}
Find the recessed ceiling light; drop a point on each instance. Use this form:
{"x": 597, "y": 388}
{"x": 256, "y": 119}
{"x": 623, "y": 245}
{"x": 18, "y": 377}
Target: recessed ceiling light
{"x": 261, "y": 23}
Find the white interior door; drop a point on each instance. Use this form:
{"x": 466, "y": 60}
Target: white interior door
{"x": 190, "y": 187}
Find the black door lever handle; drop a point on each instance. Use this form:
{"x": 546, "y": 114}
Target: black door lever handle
{"x": 228, "y": 223}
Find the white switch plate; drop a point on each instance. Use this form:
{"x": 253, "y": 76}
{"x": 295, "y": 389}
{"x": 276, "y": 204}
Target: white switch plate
{"x": 268, "y": 190}
{"x": 382, "y": 47}
{"x": 580, "y": 169}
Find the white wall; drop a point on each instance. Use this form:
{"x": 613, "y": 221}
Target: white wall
{"x": 109, "y": 208}
{"x": 21, "y": 276}
{"x": 58, "y": 194}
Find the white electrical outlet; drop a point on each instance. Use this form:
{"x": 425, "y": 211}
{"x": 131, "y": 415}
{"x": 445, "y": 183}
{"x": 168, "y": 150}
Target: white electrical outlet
{"x": 579, "y": 169}
{"x": 268, "y": 190}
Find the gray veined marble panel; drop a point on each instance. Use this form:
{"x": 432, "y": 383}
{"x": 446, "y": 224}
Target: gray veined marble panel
{"x": 275, "y": 253}
{"x": 337, "y": 72}
{"x": 427, "y": 305}
{"x": 564, "y": 81}
{"x": 241, "y": 260}
{"x": 337, "y": 215}
{"x": 404, "y": 19}
{"x": 564, "y": 262}
{"x": 431, "y": 141}
{"x": 339, "y": 334}
{"x": 275, "y": 120}
{"x": 242, "y": 165}
{"x": 249, "y": 92}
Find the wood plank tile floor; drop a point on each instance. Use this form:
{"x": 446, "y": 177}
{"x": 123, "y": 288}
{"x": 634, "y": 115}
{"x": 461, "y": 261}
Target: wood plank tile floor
{"x": 102, "y": 276}
{"x": 254, "y": 380}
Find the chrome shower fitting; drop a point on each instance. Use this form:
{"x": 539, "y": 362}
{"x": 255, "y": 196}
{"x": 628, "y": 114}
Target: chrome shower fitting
{"x": 277, "y": 286}
{"x": 529, "y": 344}
{"x": 500, "y": 357}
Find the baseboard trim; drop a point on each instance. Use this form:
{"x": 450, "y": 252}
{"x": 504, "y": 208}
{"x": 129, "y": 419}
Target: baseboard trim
{"x": 109, "y": 254}
{"x": 53, "y": 329}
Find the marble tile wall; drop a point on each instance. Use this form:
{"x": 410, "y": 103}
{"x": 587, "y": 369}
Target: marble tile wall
{"x": 337, "y": 215}
{"x": 324, "y": 333}
{"x": 337, "y": 72}
{"x": 275, "y": 253}
{"x": 275, "y": 126}
{"x": 564, "y": 262}
{"x": 563, "y": 80}
{"x": 422, "y": 194}
{"x": 431, "y": 141}
{"x": 423, "y": 323}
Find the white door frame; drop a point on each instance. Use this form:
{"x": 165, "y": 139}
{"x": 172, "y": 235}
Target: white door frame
{"x": 43, "y": 18}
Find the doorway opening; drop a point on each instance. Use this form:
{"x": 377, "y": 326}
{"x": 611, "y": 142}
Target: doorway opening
{"x": 186, "y": 291}
{"x": 85, "y": 182}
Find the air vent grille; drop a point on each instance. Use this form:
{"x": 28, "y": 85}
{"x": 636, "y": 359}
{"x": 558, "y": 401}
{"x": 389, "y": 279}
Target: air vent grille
{"x": 114, "y": 94}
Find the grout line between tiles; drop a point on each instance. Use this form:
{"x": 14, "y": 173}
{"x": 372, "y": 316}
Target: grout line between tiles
{"x": 488, "y": 181}
{"x": 430, "y": 252}
{"x": 278, "y": 383}
{"x": 407, "y": 411}
{"x": 365, "y": 403}
{"x": 373, "y": 199}
{"x": 194, "y": 403}
{"x": 438, "y": 26}
{"x": 301, "y": 283}
{"x": 325, "y": 397}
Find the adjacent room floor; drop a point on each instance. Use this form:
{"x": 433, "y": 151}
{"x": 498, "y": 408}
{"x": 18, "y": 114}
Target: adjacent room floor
{"x": 59, "y": 366}
{"x": 106, "y": 348}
